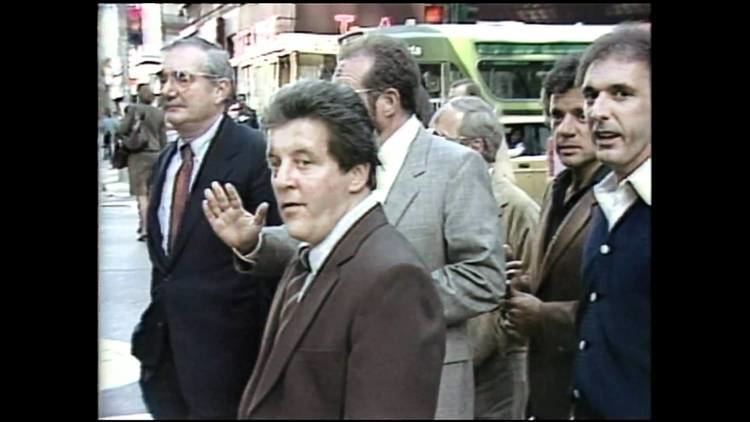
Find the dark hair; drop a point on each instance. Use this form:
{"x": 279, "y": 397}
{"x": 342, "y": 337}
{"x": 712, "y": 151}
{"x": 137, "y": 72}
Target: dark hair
{"x": 472, "y": 89}
{"x": 630, "y": 41}
{"x": 393, "y": 67}
{"x": 425, "y": 110}
{"x": 560, "y": 79}
{"x": 351, "y": 139}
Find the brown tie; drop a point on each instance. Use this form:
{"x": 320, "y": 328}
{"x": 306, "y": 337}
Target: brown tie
{"x": 181, "y": 193}
{"x": 293, "y": 288}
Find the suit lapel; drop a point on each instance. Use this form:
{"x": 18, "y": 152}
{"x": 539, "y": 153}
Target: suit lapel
{"x": 216, "y": 166}
{"x": 155, "y": 237}
{"x": 249, "y": 398}
{"x": 570, "y": 227}
{"x": 406, "y": 186}
{"x": 539, "y": 252}
{"x": 311, "y": 303}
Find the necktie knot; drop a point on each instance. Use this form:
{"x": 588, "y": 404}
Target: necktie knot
{"x": 304, "y": 258}
{"x": 186, "y": 152}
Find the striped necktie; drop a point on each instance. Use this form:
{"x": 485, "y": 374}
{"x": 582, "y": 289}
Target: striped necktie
{"x": 292, "y": 289}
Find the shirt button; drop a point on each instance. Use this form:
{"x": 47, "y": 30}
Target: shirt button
{"x": 582, "y": 345}
{"x": 592, "y": 297}
{"x": 576, "y": 394}
{"x": 604, "y": 249}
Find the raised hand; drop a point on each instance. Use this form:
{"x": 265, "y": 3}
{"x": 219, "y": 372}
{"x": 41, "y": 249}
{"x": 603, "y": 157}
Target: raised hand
{"x": 234, "y": 225}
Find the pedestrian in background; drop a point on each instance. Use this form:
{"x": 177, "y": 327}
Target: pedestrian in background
{"x": 500, "y": 374}
{"x": 144, "y": 136}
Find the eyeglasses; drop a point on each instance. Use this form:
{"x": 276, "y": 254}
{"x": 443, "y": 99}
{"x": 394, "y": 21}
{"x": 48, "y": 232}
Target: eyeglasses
{"x": 366, "y": 90}
{"x": 477, "y": 141}
{"x": 183, "y": 77}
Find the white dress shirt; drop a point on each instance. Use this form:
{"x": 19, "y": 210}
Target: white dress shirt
{"x": 615, "y": 198}
{"x": 199, "y": 146}
{"x": 319, "y": 253}
{"x": 392, "y": 154}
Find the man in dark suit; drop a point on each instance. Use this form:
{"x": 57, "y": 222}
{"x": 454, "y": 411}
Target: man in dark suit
{"x": 198, "y": 339}
{"x": 356, "y": 328}
{"x": 544, "y": 310}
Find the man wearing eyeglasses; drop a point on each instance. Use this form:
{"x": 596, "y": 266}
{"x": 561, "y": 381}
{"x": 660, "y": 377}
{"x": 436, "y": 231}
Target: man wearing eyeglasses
{"x": 499, "y": 361}
{"x": 198, "y": 338}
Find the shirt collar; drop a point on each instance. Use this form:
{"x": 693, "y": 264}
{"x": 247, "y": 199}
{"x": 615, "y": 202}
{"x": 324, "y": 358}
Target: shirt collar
{"x": 200, "y": 144}
{"x": 320, "y": 253}
{"x": 640, "y": 180}
{"x": 394, "y": 149}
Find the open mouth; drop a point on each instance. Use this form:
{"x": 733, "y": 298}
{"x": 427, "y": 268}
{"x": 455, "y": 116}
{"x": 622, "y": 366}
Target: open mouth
{"x": 605, "y": 135}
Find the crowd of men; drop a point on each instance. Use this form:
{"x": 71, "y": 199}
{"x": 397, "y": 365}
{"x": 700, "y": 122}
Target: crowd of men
{"x": 359, "y": 259}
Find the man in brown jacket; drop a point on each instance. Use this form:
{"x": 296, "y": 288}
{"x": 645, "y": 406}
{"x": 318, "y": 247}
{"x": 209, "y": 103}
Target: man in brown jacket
{"x": 547, "y": 315}
{"x": 356, "y": 328}
{"x": 144, "y": 134}
{"x": 500, "y": 378}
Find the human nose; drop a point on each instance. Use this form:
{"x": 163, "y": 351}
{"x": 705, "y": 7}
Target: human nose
{"x": 598, "y": 109}
{"x": 285, "y": 176}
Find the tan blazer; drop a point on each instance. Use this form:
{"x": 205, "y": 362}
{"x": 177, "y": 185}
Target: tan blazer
{"x": 501, "y": 384}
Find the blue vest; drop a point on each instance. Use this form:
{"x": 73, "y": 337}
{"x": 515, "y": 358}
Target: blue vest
{"x": 612, "y": 373}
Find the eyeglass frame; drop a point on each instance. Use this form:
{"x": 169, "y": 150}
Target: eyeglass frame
{"x": 173, "y": 75}
{"x": 463, "y": 140}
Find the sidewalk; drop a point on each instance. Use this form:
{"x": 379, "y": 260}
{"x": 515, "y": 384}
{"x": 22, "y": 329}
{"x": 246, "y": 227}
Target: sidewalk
{"x": 124, "y": 283}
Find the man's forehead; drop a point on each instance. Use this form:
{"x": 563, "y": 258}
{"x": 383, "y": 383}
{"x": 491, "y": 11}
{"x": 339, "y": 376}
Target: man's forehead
{"x": 614, "y": 70}
{"x": 184, "y": 56}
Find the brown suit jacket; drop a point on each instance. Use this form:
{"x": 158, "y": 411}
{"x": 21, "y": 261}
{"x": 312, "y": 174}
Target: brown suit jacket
{"x": 556, "y": 280}
{"x": 366, "y": 341}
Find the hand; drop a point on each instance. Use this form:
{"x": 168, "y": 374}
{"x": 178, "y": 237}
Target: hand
{"x": 521, "y": 314}
{"x": 512, "y": 269}
{"x": 508, "y": 252}
{"x": 236, "y": 227}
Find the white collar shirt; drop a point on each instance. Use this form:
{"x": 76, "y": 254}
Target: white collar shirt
{"x": 616, "y": 198}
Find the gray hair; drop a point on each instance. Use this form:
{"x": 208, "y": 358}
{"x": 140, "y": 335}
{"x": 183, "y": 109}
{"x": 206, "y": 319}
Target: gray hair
{"x": 217, "y": 59}
{"x": 481, "y": 121}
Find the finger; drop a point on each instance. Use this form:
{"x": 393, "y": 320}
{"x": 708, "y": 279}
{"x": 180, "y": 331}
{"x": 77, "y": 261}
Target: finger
{"x": 212, "y": 203}
{"x": 208, "y": 212}
{"x": 221, "y": 197}
{"x": 512, "y": 273}
{"x": 260, "y": 214}
{"x": 234, "y": 197}
{"x": 508, "y": 251}
{"x": 513, "y": 265}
